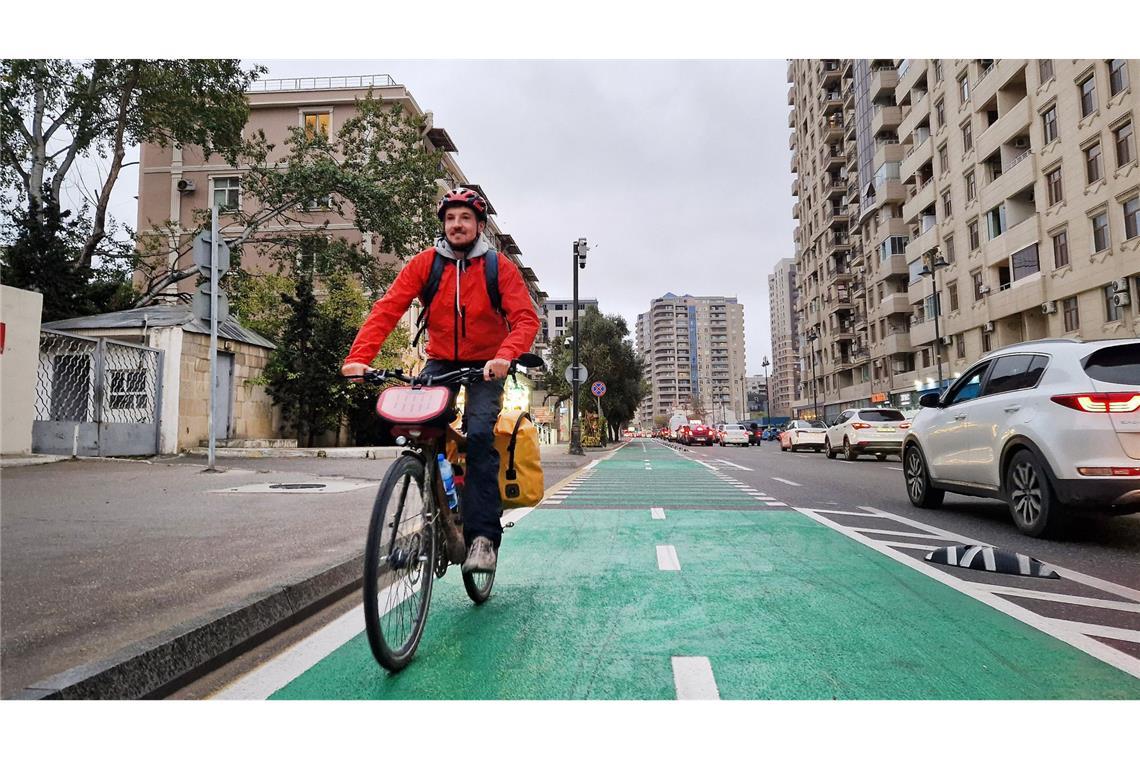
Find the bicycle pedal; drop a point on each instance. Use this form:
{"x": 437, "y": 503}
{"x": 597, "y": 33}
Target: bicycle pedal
{"x": 508, "y": 525}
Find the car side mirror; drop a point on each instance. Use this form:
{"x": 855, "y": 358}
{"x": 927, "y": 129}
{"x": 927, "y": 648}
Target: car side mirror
{"x": 928, "y": 400}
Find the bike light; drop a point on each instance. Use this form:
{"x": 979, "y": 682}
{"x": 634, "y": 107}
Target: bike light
{"x": 1120, "y": 403}
{"x": 1117, "y": 471}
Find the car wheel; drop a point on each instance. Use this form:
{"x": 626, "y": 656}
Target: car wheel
{"x": 848, "y": 452}
{"x": 830, "y": 452}
{"x": 1032, "y": 502}
{"x": 922, "y": 494}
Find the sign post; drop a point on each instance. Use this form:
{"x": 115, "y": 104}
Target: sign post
{"x": 599, "y": 390}
{"x": 212, "y": 256}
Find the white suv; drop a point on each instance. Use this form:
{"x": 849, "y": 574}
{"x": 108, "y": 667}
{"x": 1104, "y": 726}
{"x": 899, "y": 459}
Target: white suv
{"x": 866, "y": 431}
{"x": 1042, "y": 425}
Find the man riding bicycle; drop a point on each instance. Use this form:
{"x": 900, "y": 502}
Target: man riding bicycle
{"x": 464, "y": 329}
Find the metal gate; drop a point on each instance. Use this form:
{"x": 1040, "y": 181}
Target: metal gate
{"x": 96, "y": 397}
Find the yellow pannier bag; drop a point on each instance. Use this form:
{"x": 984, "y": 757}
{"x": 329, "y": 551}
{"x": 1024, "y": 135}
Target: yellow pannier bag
{"x": 520, "y": 463}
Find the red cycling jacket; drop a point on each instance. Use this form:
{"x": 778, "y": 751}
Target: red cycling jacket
{"x": 463, "y": 326}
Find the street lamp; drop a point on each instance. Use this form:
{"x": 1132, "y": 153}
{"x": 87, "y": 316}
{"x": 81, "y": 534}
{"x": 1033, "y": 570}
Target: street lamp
{"x": 579, "y": 248}
{"x": 933, "y": 262}
{"x": 813, "y": 336}
{"x": 767, "y": 398}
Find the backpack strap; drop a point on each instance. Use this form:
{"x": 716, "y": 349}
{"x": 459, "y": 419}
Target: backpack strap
{"x": 491, "y": 274}
{"x": 428, "y": 293}
{"x": 511, "y": 474}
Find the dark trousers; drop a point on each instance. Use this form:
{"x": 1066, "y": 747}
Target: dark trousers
{"x": 481, "y": 502}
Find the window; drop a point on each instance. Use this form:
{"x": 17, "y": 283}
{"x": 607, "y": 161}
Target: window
{"x": 560, "y": 321}
{"x": 1117, "y": 75}
{"x": 961, "y": 343}
{"x": 316, "y": 122}
{"x": 1112, "y": 312}
{"x": 952, "y": 291}
{"x": 1093, "y": 168}
{"x": 968, "y": 387}
{"x": 1053, "y": 185}
{"x": 985, "y": 342}
{"x": 943, "y": 159}
{"x": 1025, "y": 262}
{"x": 1125, "y": 147}
{"x": 977, "y": 278}
{"x": 227, "y": 192}
{"x": 964, "y": 88}
{"x": 1088, "y": 96}
{"x": 1072, "y": 318}
{"x": 995, "y": 221}
{"x": 971, "y": 187}
{"x": 1045, "y": 69}
{"x": 940, "y": 113}
{"x": 1049, "y": 122}
{"x": 1015, "y": 373}
{"x": 974, "y": 238}
{"x": 1100, "y": 231}
{"x": 967, "y": 137}
{"x": 1061, "y": 249}
{"x": 1132, "y": 217}
{"x": 948, "y": 249}
{"x": 937, "y": 70}
{"x": 947, "y": 209}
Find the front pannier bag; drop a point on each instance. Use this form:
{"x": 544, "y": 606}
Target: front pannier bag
{"x": 520, "y": 463}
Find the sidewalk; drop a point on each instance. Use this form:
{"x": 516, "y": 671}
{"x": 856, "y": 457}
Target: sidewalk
{"x": 120, "y": 578}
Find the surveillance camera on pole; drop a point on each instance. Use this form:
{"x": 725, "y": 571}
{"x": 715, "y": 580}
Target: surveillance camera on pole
{"x": 580, "y": 248}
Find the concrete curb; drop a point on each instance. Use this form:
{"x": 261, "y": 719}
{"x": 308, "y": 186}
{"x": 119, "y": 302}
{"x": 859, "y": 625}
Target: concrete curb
{"x": 161, "y": 664}
{"x": 31, "y": 459}
{"x": 353, "y": 452}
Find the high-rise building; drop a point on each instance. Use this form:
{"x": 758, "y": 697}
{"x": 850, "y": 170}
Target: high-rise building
{"x": 557, "y": 316}
{"x": 784, "y": 381}
{"x": 950, "y": 207}
{"x": 693, "y": 347}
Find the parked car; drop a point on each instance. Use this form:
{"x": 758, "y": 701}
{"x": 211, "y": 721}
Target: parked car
{"x": 802, "y": 434}
{"x": 872, "y": 431}
{"x": 734, "y": 435}
{"x": 1046, "y": 426}
{"x": 701, "y": 434}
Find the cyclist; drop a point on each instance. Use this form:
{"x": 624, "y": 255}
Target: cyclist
{"x": 464, "y": 330}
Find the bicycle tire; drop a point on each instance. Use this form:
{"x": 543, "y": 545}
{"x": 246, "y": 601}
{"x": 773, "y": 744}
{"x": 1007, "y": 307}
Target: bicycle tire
{"x": 399, "y": 563}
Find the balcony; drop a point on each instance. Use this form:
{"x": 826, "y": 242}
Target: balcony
{"x": 792, "y": 118}
{"x": 910, "y": 71}
{"x": 1014, "y": 239}
{"x": 922, "y": 198}
{"x": 834, "y": 189}
{"x": 994, "y": 78}
{"x": 1019, "y": 174}
{"x": 890, "y": 191}
{"x": 919, "y": 113}
{"x": 831, "y": 102}
{"x": 792, "y": 140}
{"x": 829, "y": 73}
{"x": 1015, "y": 121}
{"x": 831, "y": 130}
{"x": 922, "y": 333}
{"x": 796, "y": 210}
{"x": 918, "y": 154}
{"x": 885, "y": 118}
{"x": 896, "y": 343}
{"x": 894, "y": 303}
{"x": 922, "y": 243}
{"x": 831, "y": 158}
{"x": 792, "y": 95}
{"x": 1026, "y": 294}
{"x": 796, "y": 187}
{"x": 837, "y": 216}
{"x": 883, "y": 82}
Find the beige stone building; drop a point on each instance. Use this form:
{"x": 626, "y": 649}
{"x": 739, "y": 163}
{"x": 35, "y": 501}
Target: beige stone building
{"x": 1021, "y": 175}
{"x": 784, "y": 383}
{"x": 693, "y": 347}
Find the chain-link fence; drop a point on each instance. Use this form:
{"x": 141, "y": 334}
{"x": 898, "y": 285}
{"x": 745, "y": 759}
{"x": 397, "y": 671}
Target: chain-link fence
{"x": 96, "y": 396}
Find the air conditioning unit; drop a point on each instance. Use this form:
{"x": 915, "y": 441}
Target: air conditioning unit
{"x": 983, "y": 289}
{"x": 947, "y": 340}
{"x": 1021, "y": 142}
{"x": 988, "y": 327}
{"x": 185, "y": 185}
{"x": 1121, "y": 299}
{"x": 1049, "y": 307}
{"x": 1120, "y": 286}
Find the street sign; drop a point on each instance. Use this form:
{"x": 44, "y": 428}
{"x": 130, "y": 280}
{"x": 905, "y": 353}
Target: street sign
{"x": 201, "y": 304}
{"x": 202, "y": 254}
{"x": 583, "y": 373}
{"x": 598, "y": 389}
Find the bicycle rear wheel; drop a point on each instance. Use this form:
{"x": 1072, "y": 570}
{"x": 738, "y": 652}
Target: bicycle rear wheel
{"x": 399, "y": 563}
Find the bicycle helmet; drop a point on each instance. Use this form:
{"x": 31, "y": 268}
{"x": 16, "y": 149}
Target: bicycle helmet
{"x": 462, "y": 196}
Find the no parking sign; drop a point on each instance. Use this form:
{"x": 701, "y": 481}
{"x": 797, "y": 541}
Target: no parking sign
{"x": 598, "y": 389}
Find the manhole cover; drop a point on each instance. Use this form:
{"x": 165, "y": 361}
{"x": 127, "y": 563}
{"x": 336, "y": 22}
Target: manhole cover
{"x": 326, "y": 487}
{"x": 299, "y": 486}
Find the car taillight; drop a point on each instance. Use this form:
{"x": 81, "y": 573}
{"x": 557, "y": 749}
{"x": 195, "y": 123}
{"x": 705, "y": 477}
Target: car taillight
{"x": 860, "y": 426}
{"x": 1122, "y": 403}
{"x": 1118, "y": 471}
{"x": 904, "y": 425}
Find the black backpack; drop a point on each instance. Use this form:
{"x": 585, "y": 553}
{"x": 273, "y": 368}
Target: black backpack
{"x": 490, "y": 274}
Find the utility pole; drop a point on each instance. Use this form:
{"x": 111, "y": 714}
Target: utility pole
{"x": 579, "y": 248}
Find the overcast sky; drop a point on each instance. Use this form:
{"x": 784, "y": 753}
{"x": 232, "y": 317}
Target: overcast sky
{"x": 677, "y": 172}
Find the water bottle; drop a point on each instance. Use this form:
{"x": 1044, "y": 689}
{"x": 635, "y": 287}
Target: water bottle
{"x": 448, "y": 481}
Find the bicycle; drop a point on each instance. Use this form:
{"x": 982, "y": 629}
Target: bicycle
{"x": 413, "y": 537}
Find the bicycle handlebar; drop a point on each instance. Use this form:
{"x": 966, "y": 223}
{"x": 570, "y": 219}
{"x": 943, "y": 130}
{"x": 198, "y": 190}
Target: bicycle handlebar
{"x": 462, "y": 375}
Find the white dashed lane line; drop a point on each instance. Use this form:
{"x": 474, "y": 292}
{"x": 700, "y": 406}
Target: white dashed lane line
{"x": 693, "y": 678}
{"x": 789, "y": 482}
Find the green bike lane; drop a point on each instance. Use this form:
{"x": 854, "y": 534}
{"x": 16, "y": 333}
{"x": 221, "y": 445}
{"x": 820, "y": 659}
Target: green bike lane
{"x": 649, "y": 556}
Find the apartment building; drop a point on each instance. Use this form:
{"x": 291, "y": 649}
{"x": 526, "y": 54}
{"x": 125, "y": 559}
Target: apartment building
{"x": 557, "y": 316}
{"x": 784, "y": 383}
{"x": 986, "y": 202}
{"x": 176, "y": 181}
{"x": 693, "y": 348}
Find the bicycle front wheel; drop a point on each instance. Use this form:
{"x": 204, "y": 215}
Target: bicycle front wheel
{"x": 478, "y": 583}
{"x": 399, "y": 564}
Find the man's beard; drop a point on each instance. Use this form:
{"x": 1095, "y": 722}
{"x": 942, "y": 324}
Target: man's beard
{"x": 464, "y": 248}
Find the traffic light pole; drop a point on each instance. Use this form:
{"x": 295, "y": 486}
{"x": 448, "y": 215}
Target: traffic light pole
{"x": 575, "y": 428}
